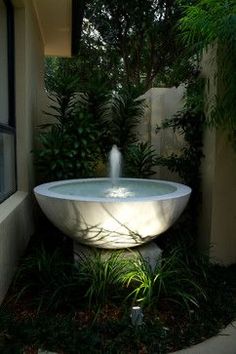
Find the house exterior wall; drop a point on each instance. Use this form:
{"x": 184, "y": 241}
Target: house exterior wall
{"x": 16, "y": 221}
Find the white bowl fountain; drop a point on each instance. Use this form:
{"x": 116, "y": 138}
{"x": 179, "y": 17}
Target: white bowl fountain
{"x": 113, "y": 212}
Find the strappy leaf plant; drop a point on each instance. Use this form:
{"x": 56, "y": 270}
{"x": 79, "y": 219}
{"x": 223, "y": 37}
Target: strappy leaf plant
{"x": 101, "y": 276}
{"x": 140, "y": 160}
{"x": 122, "y": 113}
{"x": 170, "y": 280}
{"x": 48, "y": 280}
{"x": 85, "y": 128}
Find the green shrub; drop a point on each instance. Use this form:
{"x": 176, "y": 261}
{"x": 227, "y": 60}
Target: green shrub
{"x": 68, "y": 150}
{"x": 139, "y": 160}
{"x": 84, "y": 132}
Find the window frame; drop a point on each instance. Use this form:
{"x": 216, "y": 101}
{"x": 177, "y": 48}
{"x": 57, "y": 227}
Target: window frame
{"x": 10, "y": 128}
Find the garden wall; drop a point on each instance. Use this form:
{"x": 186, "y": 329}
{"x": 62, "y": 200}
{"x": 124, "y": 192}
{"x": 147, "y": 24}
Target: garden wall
{"x": 223, "y": 231}
{"x": 218, "y": 212}
{"x": 162, "y": 104}
{"x": 217, "y": 220}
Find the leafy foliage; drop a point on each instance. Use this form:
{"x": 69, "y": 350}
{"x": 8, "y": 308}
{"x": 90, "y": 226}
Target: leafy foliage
{"x": 140, "y": 160}
{"x": 122, "y": 114}
{"x": 212, "y": 22}
{"x": 68, "y": 150}
{"x": 101, "y": 276}
{"x": 97, "y": 279}
{"x": 67, "y": 144}
{"x": 129, "y": 45}
{"x": 48, "y": 277}
{"x": 87, "y": 125}
{"x": 139, "y": 40}
{"x": 170, "y": 279}
{"x": 62, "y": 86}
{"x": 63, "y": 322}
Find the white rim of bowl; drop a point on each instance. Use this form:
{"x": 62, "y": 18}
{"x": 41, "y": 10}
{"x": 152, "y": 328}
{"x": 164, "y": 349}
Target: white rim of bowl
{"x": 44, "y": 190}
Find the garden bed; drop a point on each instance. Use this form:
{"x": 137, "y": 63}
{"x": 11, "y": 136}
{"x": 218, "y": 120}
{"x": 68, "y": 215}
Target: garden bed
{"x": 51, "y": 308}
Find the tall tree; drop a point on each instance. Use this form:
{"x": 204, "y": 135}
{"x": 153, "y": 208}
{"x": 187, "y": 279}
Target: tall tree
{"x": 139, "y": 38}
{"x": 130, "y": 44}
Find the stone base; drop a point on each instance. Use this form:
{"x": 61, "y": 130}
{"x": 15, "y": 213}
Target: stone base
{"x": 150, "y": 252}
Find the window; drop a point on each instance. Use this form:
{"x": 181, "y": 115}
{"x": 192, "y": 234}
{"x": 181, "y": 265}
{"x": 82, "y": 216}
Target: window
{"x": 7, "y": 101}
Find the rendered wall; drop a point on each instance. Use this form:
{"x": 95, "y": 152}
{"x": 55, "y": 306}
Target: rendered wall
{"x": 162, "y": 104}
{"x": 218, "y": 211}
{"x": 223, "y": 236}
{"x": 217, "y": 219}
{"x": 16, "y": 221}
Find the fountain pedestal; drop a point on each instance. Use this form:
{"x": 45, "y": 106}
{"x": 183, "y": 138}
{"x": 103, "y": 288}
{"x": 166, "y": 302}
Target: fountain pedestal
{"x": 150, "y": 252}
